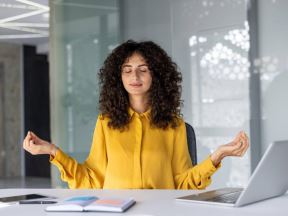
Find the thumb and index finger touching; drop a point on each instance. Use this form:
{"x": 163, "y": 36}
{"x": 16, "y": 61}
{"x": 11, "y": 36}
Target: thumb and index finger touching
{"x": 32, "y": 137}
{"x": 240, "y": 136}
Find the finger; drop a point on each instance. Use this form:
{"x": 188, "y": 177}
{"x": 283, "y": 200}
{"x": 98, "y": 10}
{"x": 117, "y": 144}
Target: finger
{"x": 238, "y": 152}
{"x": 243, "y": 136}
{"x": 246, "y": 147}
{"x": 243, "y": 148}
{"x": 235, "y": 140}
{"x": 245, "y": 139}
{"x": 239, "y": 148}
{"x": 238, "y": 137}
{"x": 29, "y": 136}
{"x": 27, "y": 146}
{"x": 25, "y": 143}
{"x": 244, "y": 151}
{"x": 26, "y": 140}
{"x": 32, "y": 143}
{"x": 240, "y": 144}
{"x": 241, "y": 152}
{"x": 34, "y": 136}
{"x": 243, "y": 145}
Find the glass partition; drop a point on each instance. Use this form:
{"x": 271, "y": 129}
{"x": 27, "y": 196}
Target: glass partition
{"x": 220, "y": 89}
{"x": 82, "y": 33}
{"x": 210, "y": 44}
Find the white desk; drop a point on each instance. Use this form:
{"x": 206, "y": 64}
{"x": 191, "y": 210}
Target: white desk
{"x": 149, "y": 202}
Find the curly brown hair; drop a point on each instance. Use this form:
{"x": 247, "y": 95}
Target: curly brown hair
{"x": 164, "y": 93}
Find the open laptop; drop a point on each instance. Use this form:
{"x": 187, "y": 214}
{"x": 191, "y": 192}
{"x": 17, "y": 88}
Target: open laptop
{"x": 270, "y": 179}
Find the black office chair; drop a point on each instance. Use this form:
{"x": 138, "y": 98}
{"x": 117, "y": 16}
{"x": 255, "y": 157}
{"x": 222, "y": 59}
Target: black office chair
{"x": 191, "y": 140}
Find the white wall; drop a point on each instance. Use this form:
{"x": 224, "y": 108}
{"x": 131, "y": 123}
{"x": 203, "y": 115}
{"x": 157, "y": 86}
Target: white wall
{"x": 273, "y": 43}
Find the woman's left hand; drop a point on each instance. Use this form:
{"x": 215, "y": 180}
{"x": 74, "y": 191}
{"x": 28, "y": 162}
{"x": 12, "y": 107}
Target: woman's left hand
{"x": 237, "y": 148}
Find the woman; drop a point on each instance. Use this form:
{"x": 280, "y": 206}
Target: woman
{"x": 139, "y": 139}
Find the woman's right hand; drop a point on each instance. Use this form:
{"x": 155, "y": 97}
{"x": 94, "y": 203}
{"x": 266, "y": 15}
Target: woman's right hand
{"x": 34, "y": 145}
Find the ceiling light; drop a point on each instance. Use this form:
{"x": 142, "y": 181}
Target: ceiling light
{"x": 38, "y": 25}
{"x": 18, "y": 6}
{"x": 22, "y": 16}
{"x": 31, "y": 30}
{"x": 44, "y": 7}
{"x": 22, "y": 36}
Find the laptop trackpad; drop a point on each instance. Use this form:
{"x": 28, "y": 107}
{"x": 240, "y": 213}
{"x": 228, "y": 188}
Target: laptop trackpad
{"x": 226, "y": 195}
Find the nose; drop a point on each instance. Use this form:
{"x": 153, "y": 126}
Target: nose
{"x": 135, "y": 74}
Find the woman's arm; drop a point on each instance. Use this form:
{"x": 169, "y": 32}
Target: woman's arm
{"x": 90, "y": 174}
{"x": 185, "y": 175}
{"x": 199, "y": 177}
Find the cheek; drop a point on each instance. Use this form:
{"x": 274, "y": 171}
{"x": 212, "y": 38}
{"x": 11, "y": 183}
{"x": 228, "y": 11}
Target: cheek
{"x": 124, "y": 79}
{"x": 147, "y": 83}
{"x": 148, "y": 80}
{"x": 150, "y": 83}
{"x": 124, "y": 82}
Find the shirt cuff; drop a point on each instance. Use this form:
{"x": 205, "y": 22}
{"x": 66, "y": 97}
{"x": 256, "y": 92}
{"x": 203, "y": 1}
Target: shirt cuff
{"x": 209, "y": 167}
{"x": 60, "y": 159}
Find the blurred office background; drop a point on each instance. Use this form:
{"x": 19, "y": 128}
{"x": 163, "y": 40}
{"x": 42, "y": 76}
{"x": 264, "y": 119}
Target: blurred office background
{"x": 232, "y": 54}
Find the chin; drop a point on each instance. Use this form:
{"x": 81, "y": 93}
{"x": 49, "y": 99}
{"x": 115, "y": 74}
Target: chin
{"x": 137, "y": 92}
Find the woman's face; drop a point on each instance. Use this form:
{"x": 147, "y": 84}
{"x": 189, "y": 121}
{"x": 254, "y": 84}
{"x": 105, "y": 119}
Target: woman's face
{"x": 136, "y": 76}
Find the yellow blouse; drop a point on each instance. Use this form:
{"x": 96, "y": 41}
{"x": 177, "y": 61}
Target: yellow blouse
{"x": 141, "y": 157}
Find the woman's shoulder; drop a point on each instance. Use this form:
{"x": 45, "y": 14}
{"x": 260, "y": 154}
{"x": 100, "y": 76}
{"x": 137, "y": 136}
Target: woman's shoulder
{"x": 102, "y": 117}
{"x": 177, "y": 123}
{"x": 179, "y": 120}
{"x": 103, "y": 121}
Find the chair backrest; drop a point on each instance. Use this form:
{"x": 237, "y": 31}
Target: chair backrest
{"x": 191, "y": 140}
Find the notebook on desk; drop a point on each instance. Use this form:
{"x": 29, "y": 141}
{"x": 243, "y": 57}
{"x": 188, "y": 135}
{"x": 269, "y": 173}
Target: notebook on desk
{"x": 92, "y": 204}
{"x": 270, "y": 179}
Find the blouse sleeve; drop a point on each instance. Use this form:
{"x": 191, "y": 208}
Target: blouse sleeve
{"x": 91, "y": 173}
{"x": 185, "y": 175}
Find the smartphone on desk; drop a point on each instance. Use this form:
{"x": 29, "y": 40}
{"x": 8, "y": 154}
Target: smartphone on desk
{"x": 23, "y": 198}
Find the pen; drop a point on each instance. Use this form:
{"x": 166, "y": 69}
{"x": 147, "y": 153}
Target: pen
{"x": 37, "y": 202}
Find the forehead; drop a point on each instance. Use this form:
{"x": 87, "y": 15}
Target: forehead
{"x": 135, "y": 58}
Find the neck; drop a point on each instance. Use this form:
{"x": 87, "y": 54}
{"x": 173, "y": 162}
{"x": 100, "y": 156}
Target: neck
{"x": 139, "y": 103}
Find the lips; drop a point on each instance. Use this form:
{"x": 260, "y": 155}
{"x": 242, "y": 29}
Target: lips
{"x": 135, "y": 84}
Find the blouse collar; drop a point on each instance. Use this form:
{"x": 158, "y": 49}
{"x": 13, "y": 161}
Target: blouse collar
{"x": 145, "y": 114}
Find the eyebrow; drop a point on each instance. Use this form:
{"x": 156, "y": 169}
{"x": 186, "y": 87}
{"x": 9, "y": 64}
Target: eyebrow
{"x": 127, "y": 65}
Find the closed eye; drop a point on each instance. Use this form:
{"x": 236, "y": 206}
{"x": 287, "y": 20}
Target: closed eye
{"x": 143, "y": 69}
{"x": 127, "y": 71}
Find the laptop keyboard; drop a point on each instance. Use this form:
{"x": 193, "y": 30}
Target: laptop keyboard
{"x": 226, "y": 198}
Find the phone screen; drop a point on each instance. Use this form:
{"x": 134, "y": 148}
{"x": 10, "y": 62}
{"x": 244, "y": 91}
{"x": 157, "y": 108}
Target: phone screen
{"x": 22, "y": 197}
